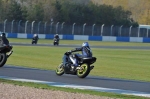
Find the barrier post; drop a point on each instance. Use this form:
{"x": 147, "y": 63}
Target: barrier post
{"x": 111, "y": 30}
{"x": 93, "y": 29}
{"x": 5, "y": 24}
{"x": 32, "y": 27}
{"x": 12, "y": 26}
{"x": 84, "y": 28}
{"x": 102, "y": 29}
{"x": 19, "y": 26}
{"x": 57, "y": 27}
{"x": 73, "y": 28}
{"x": 39, "y": 27}
{"x": 120, "y": 29}
{"x": 26, "y": 26}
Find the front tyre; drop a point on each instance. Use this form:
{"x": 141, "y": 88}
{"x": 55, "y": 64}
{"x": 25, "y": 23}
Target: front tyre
{"x": 3, "y": 59}
{"x": 84, "y": 71}
{"x": 60, "y": 70}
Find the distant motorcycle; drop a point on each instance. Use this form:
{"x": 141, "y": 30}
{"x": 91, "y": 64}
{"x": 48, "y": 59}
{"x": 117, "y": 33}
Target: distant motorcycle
{"x": 35, "y": 39}
{"x": 56, "y": 41}
{"x": 82, "y": 70}
{"x": 5, "y": 52}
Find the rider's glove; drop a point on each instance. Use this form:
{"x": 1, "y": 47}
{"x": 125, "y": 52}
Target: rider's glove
{"x": 68, "y": 52}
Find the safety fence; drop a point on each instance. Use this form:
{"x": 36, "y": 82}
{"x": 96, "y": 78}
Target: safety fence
{"x": 74, "y": 29}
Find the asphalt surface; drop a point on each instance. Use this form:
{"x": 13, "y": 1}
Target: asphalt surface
{"x": 45, "y": 75}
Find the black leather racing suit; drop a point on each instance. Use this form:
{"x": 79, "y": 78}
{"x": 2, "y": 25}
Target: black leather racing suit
{"x": 3, "y": 40}
{"x": 86, "y": 52}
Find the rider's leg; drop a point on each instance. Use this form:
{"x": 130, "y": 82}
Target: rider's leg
{"x": 66, "y": 64}
{"x": 74, "y": 61}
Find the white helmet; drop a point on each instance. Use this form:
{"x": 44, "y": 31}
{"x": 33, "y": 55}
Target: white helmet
{"x": 85, "y": 44}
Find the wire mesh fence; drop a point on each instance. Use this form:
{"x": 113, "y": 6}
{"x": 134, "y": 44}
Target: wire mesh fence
{"x": 74, "y": 29}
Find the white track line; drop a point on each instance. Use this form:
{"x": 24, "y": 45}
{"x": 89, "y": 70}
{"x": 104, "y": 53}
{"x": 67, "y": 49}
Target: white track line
{"x": 100, "y": 89}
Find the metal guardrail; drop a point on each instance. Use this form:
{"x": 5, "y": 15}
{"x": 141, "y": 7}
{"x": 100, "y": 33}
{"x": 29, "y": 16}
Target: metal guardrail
{"x": 74, "y": 29}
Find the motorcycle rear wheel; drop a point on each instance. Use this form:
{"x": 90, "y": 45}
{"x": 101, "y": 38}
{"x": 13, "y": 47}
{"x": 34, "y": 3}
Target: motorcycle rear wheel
{"x": 60, "y": 70}
{"x": 82, "y": 73}
{"x": 3, "y": 59}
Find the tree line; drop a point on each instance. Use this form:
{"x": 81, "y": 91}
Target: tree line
{"x": 65, "y": 11}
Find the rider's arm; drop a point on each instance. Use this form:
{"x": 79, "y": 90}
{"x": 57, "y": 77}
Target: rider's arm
{"x": 76, "y": 49}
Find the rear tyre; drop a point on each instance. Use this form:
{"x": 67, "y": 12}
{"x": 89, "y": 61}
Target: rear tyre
{"x": 84, "y": 71}
{"x": 60, "y": 70}
{"x": 3, "y": 59}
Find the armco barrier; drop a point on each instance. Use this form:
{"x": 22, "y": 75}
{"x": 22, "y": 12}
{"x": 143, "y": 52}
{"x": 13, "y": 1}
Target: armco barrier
{"x": 82, "y": 37}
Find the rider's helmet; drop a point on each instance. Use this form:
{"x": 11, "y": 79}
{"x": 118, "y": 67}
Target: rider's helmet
{"x": 35, "y": 35}
{"x": 85, "y": 44}
{"x": 2, "y": 34}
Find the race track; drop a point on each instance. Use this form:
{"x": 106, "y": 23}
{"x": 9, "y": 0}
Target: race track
{"x": 128, "y": 86}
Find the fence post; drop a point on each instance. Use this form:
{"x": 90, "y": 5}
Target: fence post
{"x": 5, "y": 25}
{"x": 147, "y": 32}
{"x": 12, "y": 24}
{"x": 93, "y": 29}
{"x": 111, "y": 30}
{"x": 19, "y": 25}
{"x": 32, "y": 27}
{"x": 57, "y": 27}
{"x": 62, "y": 25}
{"x": 39, "y": 27}
{"x": 120, "y": 29}
{"x": 84, "y": 27}
{"x": 45, "y": 27}
{"x": 102, "y": 29}
{"x": 51, "y": 27}
{"x": 130, "y": 31}
{"x": 138, "y": 31}
{"x": 26, "y": 26}
{"x": 73, "y": 28}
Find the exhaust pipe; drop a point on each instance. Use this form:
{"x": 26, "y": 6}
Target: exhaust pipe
{"x": 91, "y": 67}
{"x": 9, "y": 53}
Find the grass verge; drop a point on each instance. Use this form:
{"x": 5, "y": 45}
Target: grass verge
{"x": 47, "y": 87}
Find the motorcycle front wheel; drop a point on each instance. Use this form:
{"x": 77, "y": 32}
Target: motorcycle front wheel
{"x": 84, "y": 71}
{"x": 60, "y": 70}
{"x": 3, "y": 59}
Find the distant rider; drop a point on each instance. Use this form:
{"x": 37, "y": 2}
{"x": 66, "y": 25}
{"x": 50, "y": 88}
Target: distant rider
{"x": 3, "y": 39}
{"x": 86, "y": 52}
{"x": 35, "y": 38}
{"x": 56, "y": 36}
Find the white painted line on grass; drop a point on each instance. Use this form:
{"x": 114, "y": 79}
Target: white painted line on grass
{"x": 100, "y": 89}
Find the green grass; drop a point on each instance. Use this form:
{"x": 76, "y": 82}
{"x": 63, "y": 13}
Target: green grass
{"x": 47, "y": 87}
{"x": 114, "y": 63}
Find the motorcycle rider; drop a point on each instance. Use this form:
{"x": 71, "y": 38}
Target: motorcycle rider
{"x": 56, "y": 36}
{"x": 35, "y": 38}
{"x": 86, "y": 52}
{"x": 3, "y": 39}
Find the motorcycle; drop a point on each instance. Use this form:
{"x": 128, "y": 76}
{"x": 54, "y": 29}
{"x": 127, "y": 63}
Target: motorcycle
{"x": 5, "y": 52}
{"x": 82, "y": 70}
{"x": 34, "y": 41}
{"x": 56, "y": 41}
